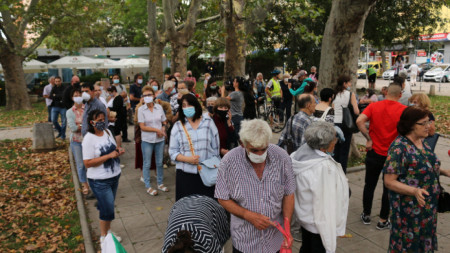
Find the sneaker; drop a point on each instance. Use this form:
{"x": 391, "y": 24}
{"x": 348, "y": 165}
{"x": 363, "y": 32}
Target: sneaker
{"x": 383, "y": 225}
{"x": 142, "y": 180}
{"x": 297, "y": 236}
{"x": 365, "y": 219}
{"x": 122, "y": 166}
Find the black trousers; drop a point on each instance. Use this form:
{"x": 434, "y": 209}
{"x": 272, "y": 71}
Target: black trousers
{"x": 286, "y": 108}
{"x": 311, "y": 243}
{"x": 237, "y": 251}
{"x": 341, "y": 150}
{"x": 188, "y": 184}
{"x": 374, "y": 167}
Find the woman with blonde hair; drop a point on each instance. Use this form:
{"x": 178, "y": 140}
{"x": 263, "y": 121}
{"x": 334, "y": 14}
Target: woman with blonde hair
{"x": 423, "y": 101}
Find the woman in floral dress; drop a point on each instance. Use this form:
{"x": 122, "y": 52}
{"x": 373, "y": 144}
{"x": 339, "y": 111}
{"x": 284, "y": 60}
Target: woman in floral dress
{"x": 411, "y": 174}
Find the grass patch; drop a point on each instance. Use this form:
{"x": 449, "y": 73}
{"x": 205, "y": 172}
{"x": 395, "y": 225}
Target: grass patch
{"x": 440, "y": 109}
{"x": 24, "y": 117}
{"x": 37, "y": 204}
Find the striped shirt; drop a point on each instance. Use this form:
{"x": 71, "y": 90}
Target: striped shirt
{"x": 204, "y": 218}
{"x": 205, "y": 140}
{"x": 301, "y": 121}
{"x": 237, "y": 181}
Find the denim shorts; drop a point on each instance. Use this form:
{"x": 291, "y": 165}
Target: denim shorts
{"x": 105, "y": 193}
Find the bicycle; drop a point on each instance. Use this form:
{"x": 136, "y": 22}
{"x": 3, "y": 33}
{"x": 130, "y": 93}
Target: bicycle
{"x": 274, "y": 116}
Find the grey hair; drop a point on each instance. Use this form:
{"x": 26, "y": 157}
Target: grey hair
{"x": 320, "y": 134}
{"x": 211, "y": 99}
{"x": 255, "y": 132}
{"x": 259, "y": 74}
{"x": 403, "y": 74}
{"x": 51, "y": 78}
{"x": 168, "y": 85}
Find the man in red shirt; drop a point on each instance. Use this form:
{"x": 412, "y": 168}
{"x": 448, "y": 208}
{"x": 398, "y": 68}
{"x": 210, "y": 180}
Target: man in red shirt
{"x": 383, "y": 117}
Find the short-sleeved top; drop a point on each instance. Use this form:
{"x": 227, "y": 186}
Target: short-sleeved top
{"x": 237, "y": 181}
{"x": 46, "y": 92}
{"x": 204, "y": 218}
{"x": 120, "y": 88}
{"x": 237, "y": 103}
{"x": 136, "y": 91}
{"x": 151, "y": 119}
{"x": 96, "y": 146}
{"x": 341, "y": 101}
{"x": 383, "y": 117}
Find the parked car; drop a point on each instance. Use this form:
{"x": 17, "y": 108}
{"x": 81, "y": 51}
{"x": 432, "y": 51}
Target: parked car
{"x": 389, "y": 74}
{"x": 374, "y": 64}
{"x": 438, "y": 73}
{"x": 424, "y": 67}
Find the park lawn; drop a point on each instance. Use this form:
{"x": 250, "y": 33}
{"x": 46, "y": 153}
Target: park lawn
{"x": 440, "y": 109}
{"x": 24, "y": 117}
{"x": 38, "y": 210}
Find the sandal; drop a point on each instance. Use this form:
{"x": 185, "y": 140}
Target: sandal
{"x": 163, "y": 188}
{"x": 152, "y": 191}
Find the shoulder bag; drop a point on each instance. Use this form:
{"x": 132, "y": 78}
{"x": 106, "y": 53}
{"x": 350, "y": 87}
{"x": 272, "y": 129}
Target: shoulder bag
{"x": 444, "y": 198}
{"x": 349, "y": 117}
{"x": 208, "y": 168}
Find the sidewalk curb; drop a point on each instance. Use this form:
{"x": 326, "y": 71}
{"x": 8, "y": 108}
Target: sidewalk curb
{"x": 356, "y": 169}
{"x": 88, "y": 244}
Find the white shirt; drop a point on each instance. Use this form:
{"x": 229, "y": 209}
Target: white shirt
{"x": 414, "y": 69}
{"x": 340, "y": 101}
{"x": 95, "y": 146}
{"x": 151, "y": 119}
{"x": 46, "y": 92}
{"x": 103, "y": 100}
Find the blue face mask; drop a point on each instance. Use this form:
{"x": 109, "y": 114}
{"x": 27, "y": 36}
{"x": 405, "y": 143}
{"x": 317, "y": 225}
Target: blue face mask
{"x": 349, "y": 88}
{"x": 100, "y": 125}
{"x": 155, "y": 88}
{"x": 173, "y": 91}
{"x": 189, "y": 112}
{"x": 330, "y": 153}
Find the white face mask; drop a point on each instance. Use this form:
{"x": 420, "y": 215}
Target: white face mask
{"x": 78, "y": 100}
{"x": 286, "y": 80}
{"x": 139, "y": 81}
{"x": 148, "y": 100}
{"x": 254, "y": 158}
{"x": 86, "y": 96}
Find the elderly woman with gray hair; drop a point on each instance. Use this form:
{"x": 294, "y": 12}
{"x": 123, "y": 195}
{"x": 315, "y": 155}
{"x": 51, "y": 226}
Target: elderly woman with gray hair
{"x": 322, "y": 195}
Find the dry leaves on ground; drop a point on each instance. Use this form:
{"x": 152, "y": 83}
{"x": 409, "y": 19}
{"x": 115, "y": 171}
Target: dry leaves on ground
{"x": 37, "y": 202}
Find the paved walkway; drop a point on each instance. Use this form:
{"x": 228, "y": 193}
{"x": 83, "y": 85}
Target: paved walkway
{"x": 441, "y": 89}
{"x": 141, "y": 219}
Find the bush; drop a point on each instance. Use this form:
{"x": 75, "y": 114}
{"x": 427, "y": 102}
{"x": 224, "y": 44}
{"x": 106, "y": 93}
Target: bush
{"x": 167, "y": 71}
{"x": 94, "y": 77}
{"x": 264, "y": 62}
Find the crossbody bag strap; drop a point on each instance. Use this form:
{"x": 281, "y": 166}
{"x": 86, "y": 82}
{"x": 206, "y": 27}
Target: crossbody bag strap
{"x": 325, "y": 113}
{"x": 191, "y": 147}
{"x": 349, "y": 99}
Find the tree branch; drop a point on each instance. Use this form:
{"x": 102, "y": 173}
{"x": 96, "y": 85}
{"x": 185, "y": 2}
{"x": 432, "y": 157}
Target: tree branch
{"x": 152, "y": 30}
{"x": 39, "y": 40}
{"x": 201, "y": 21}
{"x": 26, "y": 17}
{"x": 168, "y": 17}
{"x": 191, "y": 19}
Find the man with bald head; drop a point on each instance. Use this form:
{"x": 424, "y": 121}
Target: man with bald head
{"x": 383, "y": 117}
{"x": 74, "y": 85}
{"x": 294, "y": 130}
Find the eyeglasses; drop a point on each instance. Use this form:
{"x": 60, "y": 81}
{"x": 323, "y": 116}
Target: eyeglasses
{"x": 425, "y": 123}
{"x": 148, "y": 95}
{"x": 98, "y": 90}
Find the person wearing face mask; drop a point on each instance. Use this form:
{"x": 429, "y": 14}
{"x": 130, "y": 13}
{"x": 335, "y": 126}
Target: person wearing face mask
{"x": 286, "y": 104}
{"x": 117, "y": 84}
{"x": 222, "y": 119}
{"x": 212, "y": 90}
{"x": 74, "y": 119}
{"x": 343, "y": 93}
{"x": 136, "y": 91}
{"x": 190, "y": 77}
{"x": 205, "y": 141}
{"x": 90, "y": 104}
{"x": 115, "y": 106}
{"x": 152, "y": 121}
{"x": 322, "y": 195}
{"x": 210, "y": 102}
{"x": 256, "y": 185}
{"x": 101, "y": 158}
{"x": 168, "y": 91}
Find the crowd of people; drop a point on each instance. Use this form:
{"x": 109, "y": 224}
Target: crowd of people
{"x": 299, "y": 182}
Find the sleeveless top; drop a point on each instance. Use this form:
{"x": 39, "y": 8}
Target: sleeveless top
{"x": 340, "y": 101}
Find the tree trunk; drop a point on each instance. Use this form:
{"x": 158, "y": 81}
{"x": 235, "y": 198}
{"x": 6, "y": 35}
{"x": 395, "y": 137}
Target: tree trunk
{"x": 342, "y": 39}
{"x": 179, "y": 58}
{"x": 155, "y": 60}
{"x": 235, "y": 43}
{"x": 354, "y": 152}
{"x": 16, "y": 87}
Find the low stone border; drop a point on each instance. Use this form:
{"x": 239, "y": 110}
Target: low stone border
{"x": 356, "y": 169}
{"x": 88, "y": 244}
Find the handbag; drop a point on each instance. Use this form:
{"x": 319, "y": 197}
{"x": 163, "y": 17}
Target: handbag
{"x": 289, "y": 142}
{"x": 349, "y": 117}
{"x": 444, "y": 199}
{"x": 208, "y": 168}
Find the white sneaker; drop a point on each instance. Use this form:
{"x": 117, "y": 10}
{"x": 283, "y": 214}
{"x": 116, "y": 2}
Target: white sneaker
{"x": 122, "y": 166}
{"x": 142, "y": 180}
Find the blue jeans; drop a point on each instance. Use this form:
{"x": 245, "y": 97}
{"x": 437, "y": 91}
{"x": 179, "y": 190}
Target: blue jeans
{"x": 61, "y": 129}
{"x": 49, "y": 110}
{"x": 78, "y": 157}
{"x": 105, "y": 192}
{"x": 147, "y": 150}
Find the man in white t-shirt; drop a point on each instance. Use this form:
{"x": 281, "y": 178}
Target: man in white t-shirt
{"x": 414, "y": 70}
{"x": 46, "y": 95}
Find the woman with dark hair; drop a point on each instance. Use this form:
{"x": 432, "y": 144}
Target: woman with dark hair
{"x": 342, "y": 99}
{"x": 101, "y": 158}
{"x": 237, "y": 103}
{"x": 196, "y": 224}
{"x": 204, "y": 137}
{"x": 212, "y": 90}
{"x": 311, "y": 88}
{"x": 249, "y": 100}
{"x": 324, "y": 111}
{"x": 411, "y": 173}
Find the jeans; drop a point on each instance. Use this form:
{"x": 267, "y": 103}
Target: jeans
{"x": 237, "y": 119}
{"x": 147, "y": 150}
{"x": 78, "y": 157}
{"x": 311, "y": 243}
{"x": 61, "y": 129}
{"x": 105, "y": 192}
{"x": 374, "y": 167}
{"x": 341, "y": 150}
{"x": 49, "y": 110}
